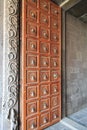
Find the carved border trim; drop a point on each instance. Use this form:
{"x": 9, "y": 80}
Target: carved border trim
{"x": 13, "y": 65}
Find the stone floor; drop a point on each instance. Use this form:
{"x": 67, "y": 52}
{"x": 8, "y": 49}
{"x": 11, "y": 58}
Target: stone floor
{"x": 76, "y": 121}
{"x": 80, "y": 117}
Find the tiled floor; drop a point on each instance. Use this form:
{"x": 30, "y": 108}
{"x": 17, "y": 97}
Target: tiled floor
{"x": 80, "y": 117}
{"x": 76, "y": 121}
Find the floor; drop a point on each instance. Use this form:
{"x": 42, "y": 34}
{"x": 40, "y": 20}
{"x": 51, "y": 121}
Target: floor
{"x": 76, "y": 121}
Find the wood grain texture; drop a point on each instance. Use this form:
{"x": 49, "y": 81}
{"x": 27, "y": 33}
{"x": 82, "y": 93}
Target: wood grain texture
{"x": 41, "y": 64}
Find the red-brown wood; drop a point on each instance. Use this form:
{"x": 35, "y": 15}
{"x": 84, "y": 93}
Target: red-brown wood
{"x": 41, "y": 64}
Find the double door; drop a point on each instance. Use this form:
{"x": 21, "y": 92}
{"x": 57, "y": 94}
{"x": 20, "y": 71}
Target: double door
{"x": 41, "y": 64}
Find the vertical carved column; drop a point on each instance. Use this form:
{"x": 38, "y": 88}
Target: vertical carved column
{"x": 11, "y": 55}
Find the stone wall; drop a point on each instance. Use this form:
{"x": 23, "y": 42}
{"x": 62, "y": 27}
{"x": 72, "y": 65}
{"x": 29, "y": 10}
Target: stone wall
{"x": 76, "y": 64}
{"x": 1, "y": 52}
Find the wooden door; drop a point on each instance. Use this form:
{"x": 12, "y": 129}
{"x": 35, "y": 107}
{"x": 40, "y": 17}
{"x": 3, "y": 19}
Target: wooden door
{"x": 41, "y": 64}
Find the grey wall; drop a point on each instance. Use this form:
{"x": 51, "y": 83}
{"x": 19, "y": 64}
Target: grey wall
{"x": 1, "y": 52}
{"x": 1, "y": 49}
{"x": 76, "y": 64}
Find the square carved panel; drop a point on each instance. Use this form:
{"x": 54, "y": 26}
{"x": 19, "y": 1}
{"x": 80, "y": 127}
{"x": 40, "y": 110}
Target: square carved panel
{"x": 32, "y": 92}
{"x": 32, "y": 108}
{"x": 32, "y": 77}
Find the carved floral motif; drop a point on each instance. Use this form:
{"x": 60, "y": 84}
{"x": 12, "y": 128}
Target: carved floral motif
{"x": 13, "y": 66}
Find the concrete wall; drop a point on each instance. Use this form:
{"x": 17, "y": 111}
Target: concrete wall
{"x": 76, "y": 64}
{"x": 1, "y": 52}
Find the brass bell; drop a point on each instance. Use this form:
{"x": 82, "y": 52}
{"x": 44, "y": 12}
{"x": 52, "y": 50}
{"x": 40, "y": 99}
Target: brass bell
{"x": 54, "y": 116}
{"x": 33, "y": 15}
{"x": 55, "y": 75}
{"x": 33, "y": 126}
{"x": 45, "y": 6}
{"x": 44, "y": 91}
{"x": 44, "y": 105}
{"x": 55, "y": 24}
{"x": 45, "y": 49}
{"x": 45, "y": 120}
{"x": 45, "y": 20}
{"x": 55, "y": 50}
{"x": 33, "y": 78}
{"x": 45, "y": 63}
{"x": 33, "y": 110}
{"x": 55, "y": 63}
{"x": 33, "y": 30}
{"x": 55, "y": 89}
{"x": 45, "y": 77}
{"x": 32, "y": 94}
{"x": 33, "y": 62}
{"x": 55, "y": 37}
{"x": 45, "y": 34}
{"x": 33, "y": 46}
{"x": 56, "y": 12}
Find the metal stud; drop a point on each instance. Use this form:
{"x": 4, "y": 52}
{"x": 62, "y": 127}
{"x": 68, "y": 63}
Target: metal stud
{"x": 33, "y": 46}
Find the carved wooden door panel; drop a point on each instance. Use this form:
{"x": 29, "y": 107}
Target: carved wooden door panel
{"x": 41, "y": 64}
